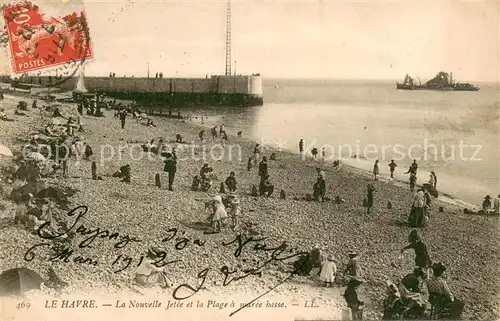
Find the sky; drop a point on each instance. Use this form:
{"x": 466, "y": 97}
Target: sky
{"x": 294, "y": 39}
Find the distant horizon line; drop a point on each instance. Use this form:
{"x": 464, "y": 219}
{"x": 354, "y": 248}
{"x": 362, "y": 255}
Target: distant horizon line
{"x": 278, "y": 78}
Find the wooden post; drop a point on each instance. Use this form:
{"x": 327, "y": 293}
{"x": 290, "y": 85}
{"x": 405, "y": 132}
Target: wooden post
{"x": 157, "y": 180}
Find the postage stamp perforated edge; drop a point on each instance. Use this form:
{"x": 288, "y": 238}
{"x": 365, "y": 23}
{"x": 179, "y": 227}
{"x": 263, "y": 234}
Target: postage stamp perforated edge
{"x": 65, "y": 68}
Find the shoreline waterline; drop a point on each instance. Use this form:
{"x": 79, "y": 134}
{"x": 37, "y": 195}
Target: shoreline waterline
{"x": 358, "y": 165}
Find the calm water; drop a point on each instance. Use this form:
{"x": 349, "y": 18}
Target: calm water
{"x": 374, "y": 120}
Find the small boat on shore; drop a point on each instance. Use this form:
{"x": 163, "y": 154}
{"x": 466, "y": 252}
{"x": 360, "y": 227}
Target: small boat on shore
{"x": 442, "y": 82}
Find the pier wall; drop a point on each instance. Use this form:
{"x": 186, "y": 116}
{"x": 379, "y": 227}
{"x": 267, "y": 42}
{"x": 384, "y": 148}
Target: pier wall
{"x": 215, "y": 84}
{"x": 216, "y": 90}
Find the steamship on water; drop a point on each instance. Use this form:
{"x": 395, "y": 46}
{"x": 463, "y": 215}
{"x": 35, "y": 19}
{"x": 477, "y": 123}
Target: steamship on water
{"x": 442, "y": 82}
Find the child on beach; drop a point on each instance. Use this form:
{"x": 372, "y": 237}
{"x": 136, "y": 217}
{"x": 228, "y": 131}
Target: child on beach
{"x": 392, "y": 167}
{"x": 256, "y": 154}
{"x": 328, "y": 271}
{"x": 235, "y": 210}
{"x": 353, "y": 268}
{"x": 220, "y": 214}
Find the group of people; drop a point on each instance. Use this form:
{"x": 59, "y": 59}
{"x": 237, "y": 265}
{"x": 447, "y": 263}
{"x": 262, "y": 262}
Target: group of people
{"x": 314, "y": 151}
{"x": 425, "y": 285}
{"x": 221, "y": 212}
{"x": 216, "y": 133}
{"x": 412, "y": 170}
{"x": 491, "y": 209}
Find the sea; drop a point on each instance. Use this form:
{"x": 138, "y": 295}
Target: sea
{"x": 454, "y": 134}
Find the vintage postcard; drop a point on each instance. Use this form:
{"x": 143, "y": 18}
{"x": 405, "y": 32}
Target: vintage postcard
{"x": 243, "y": 160}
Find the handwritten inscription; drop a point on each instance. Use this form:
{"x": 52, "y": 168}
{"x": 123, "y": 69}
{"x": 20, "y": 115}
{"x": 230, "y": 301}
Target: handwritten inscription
{"x": 179, "y": 242}
{"x": 124, "y": 240}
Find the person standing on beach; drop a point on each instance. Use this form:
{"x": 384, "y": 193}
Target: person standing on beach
{"x": 413, "y": 168}
{"x": 376, "y": 170}
{"x": 224, "y": 138}
{"x": 319, "y": 188}
{"x": 214, "y": 132}
{"x": 353, "y": 268}
{"x": 263, "y": 167}
{"x": 249, "y": 163}
{"x": 256, "y": 153}
{"x": 369, "y": 197}
{"x": 221, "y": 130}
{"x": 413, "y": 180}
{"x": 159, "y": 148}
{"x": 235, "y": 209}
{"x": 63, "y": 155}
{"x": 170, "y": 168}
{"x": 301, "y": 147}
{"x": 123, "y": 116}
{"x": 323, "y": 153}
{"x": 392, "y": 167}
{"x": 417, "y": 212}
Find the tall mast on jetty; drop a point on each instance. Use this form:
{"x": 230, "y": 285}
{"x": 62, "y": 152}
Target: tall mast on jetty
{"x": 228, "y": 38}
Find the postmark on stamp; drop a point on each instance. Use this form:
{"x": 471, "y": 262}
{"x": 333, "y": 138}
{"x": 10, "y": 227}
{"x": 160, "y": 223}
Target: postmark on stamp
{"x": 38, "y": 42}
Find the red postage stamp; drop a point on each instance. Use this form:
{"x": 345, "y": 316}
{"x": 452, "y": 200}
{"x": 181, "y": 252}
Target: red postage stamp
{"x": 39, "y": 42}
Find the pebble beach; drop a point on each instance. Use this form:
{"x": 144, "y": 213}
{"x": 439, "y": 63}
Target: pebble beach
{"x": 469, "y": 245}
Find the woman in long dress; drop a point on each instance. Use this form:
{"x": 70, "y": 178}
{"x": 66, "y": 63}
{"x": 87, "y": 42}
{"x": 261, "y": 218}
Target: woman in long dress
{"x": 328, "y": 271}
{"x": 417, "y": 213}
{"x": 148, "y": 275}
